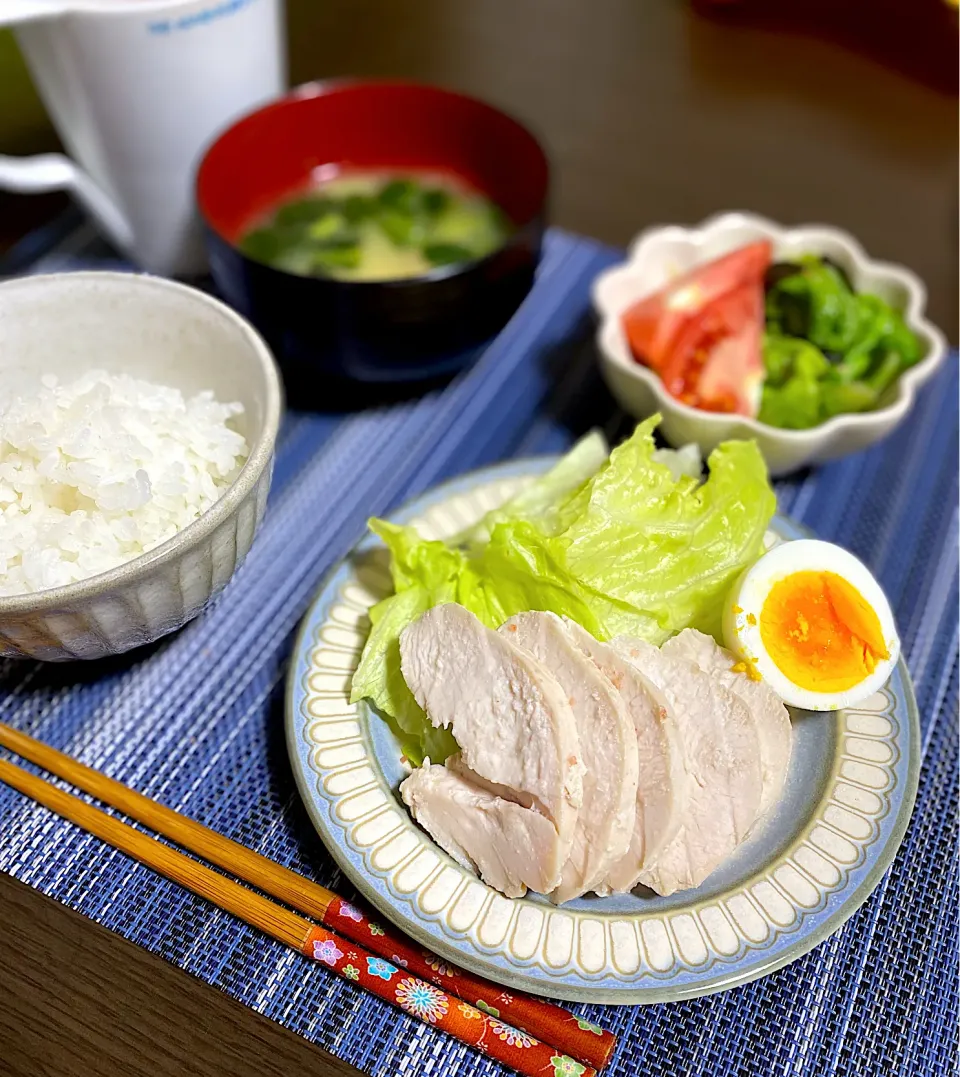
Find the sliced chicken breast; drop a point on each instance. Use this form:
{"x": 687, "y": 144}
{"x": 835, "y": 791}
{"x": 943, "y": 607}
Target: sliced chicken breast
{"x": 721, "y": 752}
{"x": 509, "y": 846}
{"x": 458, "y": 766}
{"x": 765, "y": 706}
{"x": 608, "y": 751}
{"x": 511, "y": 718}
{"x": 661, "y": 780}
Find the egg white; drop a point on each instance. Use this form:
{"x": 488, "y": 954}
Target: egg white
{"x": 750, "y": 592}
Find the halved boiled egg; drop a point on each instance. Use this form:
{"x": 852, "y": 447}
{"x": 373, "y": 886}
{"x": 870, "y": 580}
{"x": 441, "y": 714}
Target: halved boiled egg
{"x": 810, "y": 620}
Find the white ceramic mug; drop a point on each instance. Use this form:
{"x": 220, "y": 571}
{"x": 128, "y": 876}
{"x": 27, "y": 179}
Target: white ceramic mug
{"x": 136, "y": 90}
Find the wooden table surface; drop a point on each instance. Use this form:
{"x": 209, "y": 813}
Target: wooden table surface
{"x": 651, "y": 111}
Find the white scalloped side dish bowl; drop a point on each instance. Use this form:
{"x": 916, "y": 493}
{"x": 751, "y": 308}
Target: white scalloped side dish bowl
{"x": 660, "y": 254}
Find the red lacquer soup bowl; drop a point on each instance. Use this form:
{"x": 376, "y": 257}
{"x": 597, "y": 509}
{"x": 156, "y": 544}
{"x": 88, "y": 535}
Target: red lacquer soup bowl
{"x": 384, "y": 331}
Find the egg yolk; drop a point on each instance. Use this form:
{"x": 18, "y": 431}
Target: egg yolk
{"x": 821, "y": 632}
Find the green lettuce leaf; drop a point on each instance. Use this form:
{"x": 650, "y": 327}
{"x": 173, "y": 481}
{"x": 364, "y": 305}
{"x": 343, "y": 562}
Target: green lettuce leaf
{"x": 663, "y": 553}
{"x": 540, "y": 497}
{"x": 638, "y": 546}
{"x": 425, "y": 575}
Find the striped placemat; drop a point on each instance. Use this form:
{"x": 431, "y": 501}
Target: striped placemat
{"x": 197, "y": 720}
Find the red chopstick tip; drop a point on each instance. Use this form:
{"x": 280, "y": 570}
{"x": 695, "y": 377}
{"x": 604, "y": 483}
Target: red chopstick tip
{"x": 545, "y": 1021}
{"x": 431, "y": 1004}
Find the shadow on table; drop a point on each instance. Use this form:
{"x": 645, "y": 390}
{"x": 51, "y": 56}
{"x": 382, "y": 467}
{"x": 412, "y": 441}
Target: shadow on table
{"x": 334, "y": 396}
{"x": 579, "y": 401}
{"x": 55, "y": 676}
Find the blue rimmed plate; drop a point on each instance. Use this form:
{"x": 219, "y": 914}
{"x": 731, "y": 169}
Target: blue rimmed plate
{"x": 845, "y": 807}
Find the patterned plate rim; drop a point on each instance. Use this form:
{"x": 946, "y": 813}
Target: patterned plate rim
{"x": 475, "y": 959}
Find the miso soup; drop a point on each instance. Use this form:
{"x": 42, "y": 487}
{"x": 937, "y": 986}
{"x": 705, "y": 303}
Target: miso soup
{"x": 375, "y": 226}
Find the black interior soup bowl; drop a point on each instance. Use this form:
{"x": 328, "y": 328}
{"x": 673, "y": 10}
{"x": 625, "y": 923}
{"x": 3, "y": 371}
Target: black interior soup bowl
{"x": 404, "y": 330}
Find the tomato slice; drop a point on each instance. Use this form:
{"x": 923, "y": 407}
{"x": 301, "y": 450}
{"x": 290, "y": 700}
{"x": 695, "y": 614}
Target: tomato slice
{"x": 724, "y": 362}
{"x": 702, "y": 332}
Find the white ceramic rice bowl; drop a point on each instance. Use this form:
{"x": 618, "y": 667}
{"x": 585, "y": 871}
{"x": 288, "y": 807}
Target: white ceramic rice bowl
{"x": 168, "y": 333}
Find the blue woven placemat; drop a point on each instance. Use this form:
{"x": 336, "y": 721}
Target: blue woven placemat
{"x": 197, "y": 720}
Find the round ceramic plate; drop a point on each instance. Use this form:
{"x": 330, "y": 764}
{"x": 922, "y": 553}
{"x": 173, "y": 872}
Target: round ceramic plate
{"x": 848, "y": 797}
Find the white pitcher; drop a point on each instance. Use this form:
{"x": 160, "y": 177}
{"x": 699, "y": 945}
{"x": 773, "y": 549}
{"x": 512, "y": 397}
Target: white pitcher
{"x": 136, "y": 90}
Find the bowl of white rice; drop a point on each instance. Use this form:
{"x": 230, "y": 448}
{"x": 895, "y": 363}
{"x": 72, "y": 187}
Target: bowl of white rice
{"x": 137, "y": 426}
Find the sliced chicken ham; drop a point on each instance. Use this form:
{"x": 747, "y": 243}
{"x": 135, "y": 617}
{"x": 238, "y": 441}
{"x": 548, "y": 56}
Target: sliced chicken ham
{"x": 608, "y": 751}
{"x": 765, "y": 706}
{"x": 509, "y": 846}
{"x": 588, "y": 766}
{"x": 517, "y": 734}
{"x": 661, "y": 778}
{"x": 721, "y": 753}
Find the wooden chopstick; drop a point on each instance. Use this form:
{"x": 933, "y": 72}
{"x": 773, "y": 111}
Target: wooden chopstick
{"x": 248, "y": 905}
{"x": 285, "y": 885}
{"x": 350, "y": 961}
{"x": 543, "y": 1020}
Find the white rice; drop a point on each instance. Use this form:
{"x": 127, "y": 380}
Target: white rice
{"x": 97, "y": 472}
